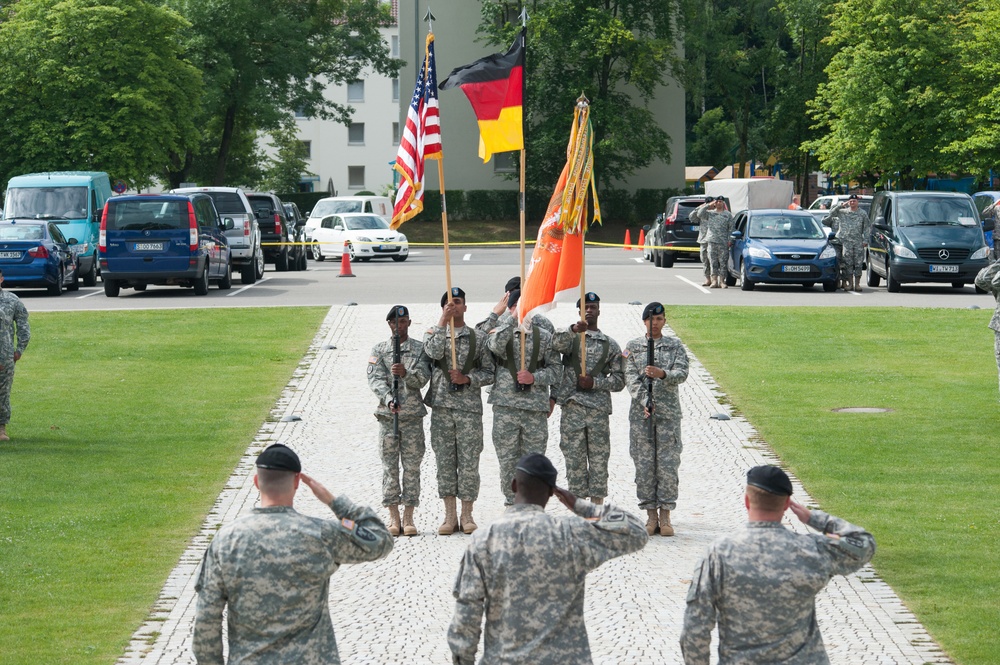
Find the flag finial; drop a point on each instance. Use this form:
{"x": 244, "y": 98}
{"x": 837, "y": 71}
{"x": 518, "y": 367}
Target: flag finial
{"x": 582, "y": 101}
{"x": 524, "y": 16}
{"x": 429, "y": 18}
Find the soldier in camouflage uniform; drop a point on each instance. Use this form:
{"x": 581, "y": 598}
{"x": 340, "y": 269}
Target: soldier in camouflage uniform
{"x": 717, "y": 224}
{"x": 273, "y": 567}
{"x": 988, "y": 279}
{"x": 850, "y": 224}
{"x": 411, "y": 374}
{"x": 13, "y": 321}
{"x": 520, "y": 397}
{"x": 760, "y": 585}
{"x": 656, "y": 456}
{"x": 586, "y": 401}
{"x": 490, "y": 322}
{"x": 457, "y": 409}
{"x": 703, "y": 251}
{"x": 527, "y": 573}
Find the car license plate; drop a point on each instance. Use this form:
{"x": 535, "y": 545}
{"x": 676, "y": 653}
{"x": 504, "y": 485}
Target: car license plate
{"x": 148, "y": 247}
{"x": 388, "y": 248}
{"x": 796, "y": 268}
{"x": 944, "y": 268}
{"x": 10, "y": 255}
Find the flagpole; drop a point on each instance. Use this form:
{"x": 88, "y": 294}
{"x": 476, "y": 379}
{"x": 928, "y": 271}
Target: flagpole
{"x": 521, "y": 201}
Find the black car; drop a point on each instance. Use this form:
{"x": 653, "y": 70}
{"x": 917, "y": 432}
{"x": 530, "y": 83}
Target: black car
{"x": 676, "y": 229}
{"x": 298, "y": 231}
{"x": 276, "y": 232}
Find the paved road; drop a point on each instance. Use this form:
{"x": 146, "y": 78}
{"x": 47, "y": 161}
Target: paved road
{"x": 396, "y": 611}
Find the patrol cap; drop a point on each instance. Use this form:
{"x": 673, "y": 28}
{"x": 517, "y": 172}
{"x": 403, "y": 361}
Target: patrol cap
{"x": 652, "y": 309}
{"x": 279, "y": 457}
{"x": 770, "y": 479}
{"x": 590, "y": 296}
{"x": 455, "y": 293}
{"x": 396, "y": 312}
{"x": 514, "y": 296}
{"x": 538, "y": 466}
{"x": 512, "y": 283}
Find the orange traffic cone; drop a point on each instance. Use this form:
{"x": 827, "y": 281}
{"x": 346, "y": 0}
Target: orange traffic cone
{"x": 345, "y": 262}
{"x": 642, "y": 238}
{"x": 628, "y": 241}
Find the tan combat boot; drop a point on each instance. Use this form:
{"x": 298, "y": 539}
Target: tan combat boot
{"x": 468, "y": 524}
{"x": 3, "y": 433}
{"x": 708, "y": 281}
{"x": 716, "y": 282}
{"x": 408, "y": 528}
{"x": 393, "y": 520}
{"x": 857, "y": 284}
{"x": 666, "y": 528}
{"x": 651, "y": 521}
{"x": 450, "y": 524}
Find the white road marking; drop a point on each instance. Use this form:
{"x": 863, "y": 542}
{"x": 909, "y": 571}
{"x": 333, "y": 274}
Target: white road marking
{"x": 467, "y": 257}
{"x": 639, "y": 260}
{"x": 697, "y": 286}
{"x": 854, "y": 293}
{"x": 248, "y": 286}
{"x": 92, "y": 293}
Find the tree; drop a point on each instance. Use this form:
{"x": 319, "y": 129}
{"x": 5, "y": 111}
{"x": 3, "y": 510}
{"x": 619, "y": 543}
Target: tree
{"x": 618, "y": 52}
{"x": 284, "y": 171}
{"x": 94, "y": 84}
{"x": 714, "y": 140}
{"x": 263, "y": 60}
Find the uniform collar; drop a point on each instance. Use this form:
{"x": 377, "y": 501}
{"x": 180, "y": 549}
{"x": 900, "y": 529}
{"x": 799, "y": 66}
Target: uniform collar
{"x": 525, "y": 508}
{"x": 765, "y": 525}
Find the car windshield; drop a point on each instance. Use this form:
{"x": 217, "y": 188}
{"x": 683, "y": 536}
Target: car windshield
{"x": 147, "y": 215}
{"x": 785, "y": 227}
{"x": 46, "y": 203}
{"x": 936, "y": 211}
{"x": 324, "y": 208}
{"x": 21, "y": 232}
{"x": 365, "y": 222}
{"x": 983, "y": 201}
{"x": 228, "y": 203}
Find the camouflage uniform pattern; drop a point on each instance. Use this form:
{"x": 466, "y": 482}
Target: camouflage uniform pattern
{"x": 761, "y": 584}
{"x": 520, "y": 418}
{"x": 993, "y": 212}
{"x": 656, "y": 461}
{"x": 717, "y": 227}
{"x": 13, "y": 321}
{"x": 585, "y": 434}
{"x": 851, "y": 230}
{"x": 272, "y": 568}
{"x": 409, "y": 450}
{"x": 457, "y": 416}
{"x": 490, "y": 322}
{"x": 703, "y": 251}
{"x": 988, "y": 280}
{"x": 527, "y": 572}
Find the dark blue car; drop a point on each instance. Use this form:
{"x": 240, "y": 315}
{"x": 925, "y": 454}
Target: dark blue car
{"x": 781, "y": 247}
{"x": 35, "y": 254}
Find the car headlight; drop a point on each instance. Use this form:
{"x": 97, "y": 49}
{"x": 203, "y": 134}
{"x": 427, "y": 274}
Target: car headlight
{"x": 759, "y": 253}
{"x": 981, "y": 253}
{"x": 402, "y": 238}
{"x": 903, "y": 252}
{"x": 828, "y": 253}
{"x": 364, "y": 239}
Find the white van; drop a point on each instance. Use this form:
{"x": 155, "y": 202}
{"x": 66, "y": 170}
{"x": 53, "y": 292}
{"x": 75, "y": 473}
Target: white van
{"x": 334, "y": 205}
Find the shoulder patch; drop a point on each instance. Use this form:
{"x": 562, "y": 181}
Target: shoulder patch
{"x": 371, "y": 369}
{"x": 616, "y": 516}
{"x": 372, "y": 360}
{"x": 364, "y": 534}
{"x": 347, "y": 524}
{"x": 626, "y": 353}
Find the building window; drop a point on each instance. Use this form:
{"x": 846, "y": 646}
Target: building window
{"x": 356, "y": 133}
{"x": 395, "y": 133}
{"x": 504, "y": 162}
{"x": 307, "y": 149}
{"x": 356, "y": 91}
{"x": 300, "y": 112}
{"x": 394, "y": 46}
{"x": 395, "y": 90}
{"x": 356, "y": 177}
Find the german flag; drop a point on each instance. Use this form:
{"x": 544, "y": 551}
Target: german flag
{"x": 495, "y": 88}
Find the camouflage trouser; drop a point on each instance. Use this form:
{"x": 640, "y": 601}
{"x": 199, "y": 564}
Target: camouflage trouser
{"x": 851, "y": 260}
{"x": 6, "y": 381}
{"x": 410, "y": 452}
{"x": 457, "y": 442}
{"x": 996, "y": 348}
{"x": 516, "y": 433}
{"x": 655, "y": 465}
{"x": 717, "y": 258}
{"x": 703, "y": 255}
{"x": 586, "y": 444}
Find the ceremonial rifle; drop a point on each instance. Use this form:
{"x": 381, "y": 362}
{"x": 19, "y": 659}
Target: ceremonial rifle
{"x": 396, "y": 359}
{"x": 651, "y": 360}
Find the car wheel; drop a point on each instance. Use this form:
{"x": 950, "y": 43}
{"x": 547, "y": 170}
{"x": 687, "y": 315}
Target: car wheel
{"x": 891, "y": 285}
{"x": 871, "y": 277}
{"x": 227, "y": 279}
{"x": 808, "y": 285}
{"x": 201, "y": 284}
{"x": 350, "y": 252}
{"x": 829, "y": 287}
{"x": 746, "y": 284}
{"x": 730, "y": 278}
{"x": 90, "y": 278}
{"x": 303, "y": 262}
{"x": 958, "y": 285}
{"x": 318, "y": 253}
{"x": 248, "y": 273}
{"x": 281, "y": 261}
{"x": 111, "y": 288}
{"x": 399, "y": 259}
{"x": 668, "y": 260}
{"x": 657, "y": 259}
{"x": 57, "y": 288}
{"x": 74, "y": 284}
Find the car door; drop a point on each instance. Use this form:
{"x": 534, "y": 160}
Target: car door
{"x": 62, "y": 250}
{"x": 736, "y": 245}
{"x": 879, "y": 239}
{"x": 211, "y": 236}
{"x": 325, "y": 234}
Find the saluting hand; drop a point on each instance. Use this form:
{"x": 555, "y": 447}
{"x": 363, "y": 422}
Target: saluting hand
{"x": 501, "y": 306}
{"x": 320, "y": 492}
{"x": 800, "y": 511}
{"x": 565, "y": 497}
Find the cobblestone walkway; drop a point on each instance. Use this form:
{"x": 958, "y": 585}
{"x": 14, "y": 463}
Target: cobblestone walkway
{"x": 396, "y": 611}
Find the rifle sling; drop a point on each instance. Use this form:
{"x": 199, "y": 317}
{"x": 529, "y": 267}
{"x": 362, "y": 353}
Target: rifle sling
{"x": 470, "y": 360}
{"x": 512, "y": 364}
{"x": 573, "y": 359}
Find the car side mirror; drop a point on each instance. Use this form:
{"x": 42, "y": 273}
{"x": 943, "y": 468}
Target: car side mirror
{"x": 72, "y": 241}
{"x": 228, "y": 224}
{"x": 831, "y": 236}
{"x": 646, "y": 228}
{"x": 736, "y": 235}
{"x": 880, "y": 224}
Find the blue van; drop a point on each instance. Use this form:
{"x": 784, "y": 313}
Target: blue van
{"x": 73, "y": 200}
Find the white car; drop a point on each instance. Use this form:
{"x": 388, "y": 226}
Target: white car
{"x": 365, "y": 237}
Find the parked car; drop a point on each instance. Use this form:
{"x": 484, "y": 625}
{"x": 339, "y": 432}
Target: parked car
{"x": 334, "y": 205}
{"x": 676, "y": 229}
{"x": 647, "y": 244}
{"x": 36, "y": 254}
{"x": 166, "y": 239}
{"x": 298, "y": 224}
{"x": 778, "y": 246}
{"x": 244, "y": 237}
{"x": 367, "y": 236}
{"x": 275, "y": 231}
{"x": 925, "y": 237}
{"x": 823, "y": 204}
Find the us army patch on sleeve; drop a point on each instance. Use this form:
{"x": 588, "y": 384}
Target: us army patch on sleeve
{"x": 364, "y": 534}
{"x": 371, "y": 369}
{"x": 347, "y": 524}
{"x": 625, "y": 353}
{"x": 372, "y": 360}
{"x": 616, "y": 516}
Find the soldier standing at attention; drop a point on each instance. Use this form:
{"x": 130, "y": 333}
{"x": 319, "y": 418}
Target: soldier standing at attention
{"x": 520, "y": 397}
{"x": 403, "y": 411}
{"x": 655, "y": 447}
{"x": 761, "y": 584}
{"x": 457, "y": 409}
{"x": 273, "y": 567}
{"x": 585, "y": 399}
{"x": 988, "y": 279}
{"x": 703, "y": 249}
{"x": 717, "y": 223}
{"x": 527, "y": 573}
{"x": 851, "y": 227}
{"x": 13, "y": 321}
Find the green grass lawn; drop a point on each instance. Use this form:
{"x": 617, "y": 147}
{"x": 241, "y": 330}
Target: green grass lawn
{"x": 924, "y": 478}
{"x": 126, "y": 426}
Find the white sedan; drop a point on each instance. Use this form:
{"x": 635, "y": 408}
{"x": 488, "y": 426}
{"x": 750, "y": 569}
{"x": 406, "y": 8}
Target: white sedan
{"x": 364, "y": 236}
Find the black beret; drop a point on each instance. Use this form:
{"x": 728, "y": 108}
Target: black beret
{"x": 652, "y": 309}
{"x": 770, "y": 479}
{"x": 514, "y": 296}
{"x": 538, "y": 466}
{"x": 279, "y": 457}
{"x": 720, "y": 198}
{"x": 512, "y": 283}
{"x": 397, "y": 311}
{"x": 590, "y": 296}
{"x": 455, "y": 293}
{"x": 852, "y": 197}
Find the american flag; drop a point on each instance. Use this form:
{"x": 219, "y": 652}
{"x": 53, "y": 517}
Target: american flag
{"x": 421, "y": 140}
